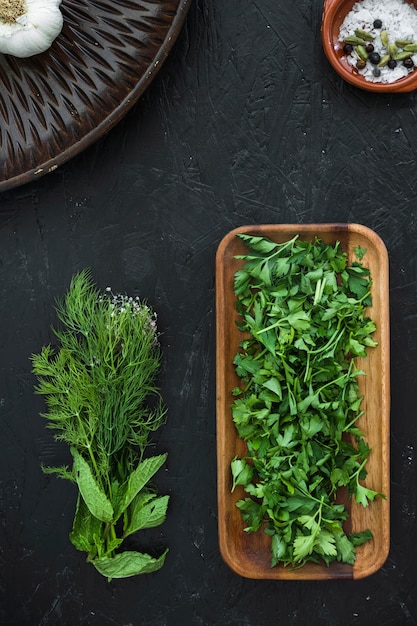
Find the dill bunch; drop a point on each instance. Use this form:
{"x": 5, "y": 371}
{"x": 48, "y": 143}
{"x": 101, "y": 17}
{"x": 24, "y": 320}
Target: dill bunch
{"x": 102, "y": 399}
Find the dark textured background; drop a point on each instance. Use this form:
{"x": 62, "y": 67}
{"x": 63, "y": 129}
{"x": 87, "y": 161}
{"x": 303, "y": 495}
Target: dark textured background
{"x": 245, "y": 123}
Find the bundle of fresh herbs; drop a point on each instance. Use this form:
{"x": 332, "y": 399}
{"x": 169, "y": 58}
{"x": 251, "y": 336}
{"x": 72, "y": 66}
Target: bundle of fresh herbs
{"x": 101, "y": 395}
{"x": 302, "y": 309}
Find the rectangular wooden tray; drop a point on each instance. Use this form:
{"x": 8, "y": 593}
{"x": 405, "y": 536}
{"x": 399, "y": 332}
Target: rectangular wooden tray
{"x": 249, "y": 555}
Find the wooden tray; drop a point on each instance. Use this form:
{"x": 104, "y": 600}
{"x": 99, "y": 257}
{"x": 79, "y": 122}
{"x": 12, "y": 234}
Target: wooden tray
{"x": 249, "y": 554}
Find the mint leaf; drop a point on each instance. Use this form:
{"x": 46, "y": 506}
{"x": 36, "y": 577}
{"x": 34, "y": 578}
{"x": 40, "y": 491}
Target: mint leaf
{"x": 85, "y": 527}
{"x": 93, "y": 496}
{"x": 128, "y": 563}
{"x": 146, "y": 511}
{"x": 141, "y": 476}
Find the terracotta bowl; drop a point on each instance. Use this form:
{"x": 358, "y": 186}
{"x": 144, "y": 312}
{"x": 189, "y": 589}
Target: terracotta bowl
{"x": 334, "y": 12}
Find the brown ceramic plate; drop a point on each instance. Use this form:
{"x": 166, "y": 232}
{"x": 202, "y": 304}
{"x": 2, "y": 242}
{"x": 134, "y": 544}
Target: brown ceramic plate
{"x": 249, "y": 554}
{"x": 56, "y": 104}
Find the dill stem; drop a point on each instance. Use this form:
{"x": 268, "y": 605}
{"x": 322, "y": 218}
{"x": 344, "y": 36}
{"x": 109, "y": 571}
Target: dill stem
{"x": 88, "y": 446}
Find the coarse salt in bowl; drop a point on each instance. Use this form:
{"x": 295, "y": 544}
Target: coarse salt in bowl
{"x": 341, "y": 18}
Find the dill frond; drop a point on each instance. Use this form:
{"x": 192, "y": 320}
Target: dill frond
{"x": 101, "y": 394}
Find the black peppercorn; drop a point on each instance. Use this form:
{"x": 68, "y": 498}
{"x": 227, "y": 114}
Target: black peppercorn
{"x": 348, "y": 48}
{"x": 408, "y": 63}
{"x": 377, "y": 24}
{"x": 374, "y": 58}
{"x": 369, "y": 47}
{"x": 392, "y": 64}
{"x": 376, "y": 72}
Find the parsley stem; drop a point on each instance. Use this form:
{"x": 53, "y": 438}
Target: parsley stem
{"x": 334, "y": 339}
{"x": 355, "y": 419}
{"x": 319, "y": 290}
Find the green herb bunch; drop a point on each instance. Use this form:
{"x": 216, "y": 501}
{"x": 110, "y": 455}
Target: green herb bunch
{"x": 302, "y": 310}
{"x": 101, "y": 395}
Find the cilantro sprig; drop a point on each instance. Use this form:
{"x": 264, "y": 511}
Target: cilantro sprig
{"x": 303, "y": 311}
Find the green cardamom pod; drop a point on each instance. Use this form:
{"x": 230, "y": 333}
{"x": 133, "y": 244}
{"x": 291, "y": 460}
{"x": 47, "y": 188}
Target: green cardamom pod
{"x": 384, "y": 38}
{"x": 363, "y": 34}
{"x": 355, "y": 41}
{"x": 393, "y": 50}
{"x": 403, "y": 55}
{"x": 410, "y": 47}
{"x": 384, "y": 61}
{"x": 403, "y": 42}
{"x": 361, "y": 52}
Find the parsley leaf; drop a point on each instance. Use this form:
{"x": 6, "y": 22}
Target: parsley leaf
{"x": 303, "y": 311}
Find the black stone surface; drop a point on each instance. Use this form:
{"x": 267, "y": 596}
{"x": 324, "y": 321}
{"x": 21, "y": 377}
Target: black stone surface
{"x": 246, "y": 123}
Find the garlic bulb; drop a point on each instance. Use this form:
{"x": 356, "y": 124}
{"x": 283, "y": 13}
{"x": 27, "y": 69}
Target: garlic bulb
{"x": 28, "y": 27}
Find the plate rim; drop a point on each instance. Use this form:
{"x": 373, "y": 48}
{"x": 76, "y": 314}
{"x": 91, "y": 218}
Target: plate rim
{"x": 112, "y": 119}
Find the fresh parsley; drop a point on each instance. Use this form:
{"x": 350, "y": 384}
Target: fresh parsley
{"x": 302, "y": 311}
